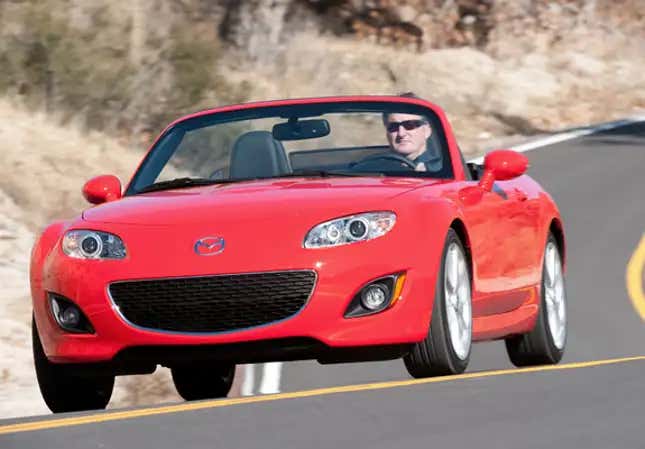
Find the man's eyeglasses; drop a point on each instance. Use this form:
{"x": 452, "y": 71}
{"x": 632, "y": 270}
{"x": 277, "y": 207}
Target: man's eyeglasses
{"x": 407, "y": 124}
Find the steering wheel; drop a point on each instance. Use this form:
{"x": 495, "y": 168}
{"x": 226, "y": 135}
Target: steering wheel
{"x": 387, "y": 156}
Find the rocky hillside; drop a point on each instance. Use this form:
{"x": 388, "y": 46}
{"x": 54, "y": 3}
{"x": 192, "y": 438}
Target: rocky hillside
{"x": 127, "y": 67}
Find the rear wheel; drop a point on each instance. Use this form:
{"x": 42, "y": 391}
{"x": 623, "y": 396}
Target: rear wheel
{"x": 446, "y": 349}
{"x": 206, "y": 381}
{"x": 545, "y": 343}
{"x": 65, "y": 390}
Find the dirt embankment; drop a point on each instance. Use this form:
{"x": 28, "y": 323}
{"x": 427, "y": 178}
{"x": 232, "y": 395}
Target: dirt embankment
{"x": 43, "y": 168}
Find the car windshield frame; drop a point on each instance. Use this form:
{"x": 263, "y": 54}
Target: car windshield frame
{"x": 168, "y": 142}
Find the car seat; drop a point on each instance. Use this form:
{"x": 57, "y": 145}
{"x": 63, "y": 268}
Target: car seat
{"x": 256, "y": 154}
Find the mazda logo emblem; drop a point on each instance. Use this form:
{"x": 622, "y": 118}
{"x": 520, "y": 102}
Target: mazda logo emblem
{"x": 209, "y": 246}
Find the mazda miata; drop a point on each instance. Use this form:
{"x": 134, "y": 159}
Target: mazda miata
{"x": 297, "y": 229}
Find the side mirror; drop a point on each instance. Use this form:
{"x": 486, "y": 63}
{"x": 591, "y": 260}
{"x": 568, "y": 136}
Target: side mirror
{"x": 502, "y": 165}
{"x": 102, "y": 189}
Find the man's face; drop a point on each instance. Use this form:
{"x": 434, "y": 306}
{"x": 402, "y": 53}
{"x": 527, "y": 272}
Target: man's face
{"x": 408, "y": 142}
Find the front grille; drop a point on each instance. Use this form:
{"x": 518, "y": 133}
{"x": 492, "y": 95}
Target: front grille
{"x": 213, "y": 303}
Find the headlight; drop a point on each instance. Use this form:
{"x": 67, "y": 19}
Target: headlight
{"x": 354, "y": 228}
{"x": 82, "y": 244}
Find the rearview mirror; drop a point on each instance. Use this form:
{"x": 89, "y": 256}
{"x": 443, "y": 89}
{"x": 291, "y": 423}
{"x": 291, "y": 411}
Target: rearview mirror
{"x": 298, "y": 130}
{"x": 502, "y": 165}
{"x": 102, "y": 189}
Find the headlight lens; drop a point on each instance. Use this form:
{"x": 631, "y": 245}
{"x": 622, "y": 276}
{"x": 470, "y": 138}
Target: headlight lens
{"x": 354, "y": 228}
{"x": 82, "y": 244}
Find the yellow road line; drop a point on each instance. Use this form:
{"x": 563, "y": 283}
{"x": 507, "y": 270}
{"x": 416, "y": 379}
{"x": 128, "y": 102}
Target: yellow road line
{"x": 192, "y": 406}
{"x": 634, "y": 278}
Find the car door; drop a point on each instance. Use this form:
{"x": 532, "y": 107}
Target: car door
{"x": 524, "y": 214}
{"x": 488, "y": 217}
{"x": 522, "y": 210}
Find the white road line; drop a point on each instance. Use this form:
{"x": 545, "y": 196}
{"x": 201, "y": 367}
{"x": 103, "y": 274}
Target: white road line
{"x": 248, "y": 382}
{"x": 569, "y": 135}
{"x": 269, "y": 383}
{"x": 271, "y": 378}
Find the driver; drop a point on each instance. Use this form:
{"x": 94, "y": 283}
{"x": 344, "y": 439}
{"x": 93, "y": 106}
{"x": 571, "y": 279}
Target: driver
{"x": 407, "y": 135}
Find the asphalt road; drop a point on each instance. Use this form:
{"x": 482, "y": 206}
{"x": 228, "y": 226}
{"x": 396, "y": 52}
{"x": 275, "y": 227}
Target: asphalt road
{"x": 599, "y": 184}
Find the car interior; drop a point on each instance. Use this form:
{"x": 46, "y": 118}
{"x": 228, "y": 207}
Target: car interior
{"x": 258, "y": 154}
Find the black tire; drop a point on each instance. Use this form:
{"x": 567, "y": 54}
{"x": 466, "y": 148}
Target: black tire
{"x": 65, "y": 390}
{"x": 208, "y": 381}
{"x": 537, "y": 347}
{"x": 435, "y": 355}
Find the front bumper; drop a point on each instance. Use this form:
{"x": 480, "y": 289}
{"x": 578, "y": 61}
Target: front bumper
{"x": 340, "y": 273}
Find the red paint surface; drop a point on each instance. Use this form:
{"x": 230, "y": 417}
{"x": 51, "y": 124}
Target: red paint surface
{"x": 101, "y": 189}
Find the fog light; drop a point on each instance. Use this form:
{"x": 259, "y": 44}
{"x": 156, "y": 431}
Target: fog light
{"x": 71, "y": 316}
{"x": 68, "y": 315}
{"x": 374, "y": 296}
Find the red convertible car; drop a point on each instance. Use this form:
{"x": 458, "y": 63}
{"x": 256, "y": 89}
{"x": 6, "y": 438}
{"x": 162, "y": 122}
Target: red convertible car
{"x": 338, "y": 229}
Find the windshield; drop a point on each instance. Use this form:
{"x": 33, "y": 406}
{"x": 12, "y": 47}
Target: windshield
{"x": 329, "y": 139}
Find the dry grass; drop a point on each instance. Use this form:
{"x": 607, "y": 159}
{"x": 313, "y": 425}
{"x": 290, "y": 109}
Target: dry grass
{"x": 41, "y": 175}
{"x": 19, "y": 394}
{"x": 42, "y": 160}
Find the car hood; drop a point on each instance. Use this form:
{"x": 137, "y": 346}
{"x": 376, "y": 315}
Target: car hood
{"x": 258, "y": 200}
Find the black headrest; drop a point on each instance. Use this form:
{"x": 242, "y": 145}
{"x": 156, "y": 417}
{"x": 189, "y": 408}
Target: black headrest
{"x": 256, "y": 154}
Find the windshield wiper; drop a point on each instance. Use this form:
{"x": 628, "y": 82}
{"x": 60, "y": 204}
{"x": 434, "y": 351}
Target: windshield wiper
{"x": 178, "y": 183}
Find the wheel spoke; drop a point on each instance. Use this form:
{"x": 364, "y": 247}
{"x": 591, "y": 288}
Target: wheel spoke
{"x": 462, "y": 272}
{"x": 550, "y": 265}
{"x": 547, "y": 271}
{"x": 467, "y": 315}
{"x": 452, "y": 300}
{"x": 554, "y": 295}
{"x": 557, "y": 276}
{"x": 551, "y": 307}
{"x": 453, "y": 324}
{"x": 562, "y": 311}
{"x": 463, "y": 326}
{"x": 460, "y": 320}
{"x": 457, "y": 301}
{"x": 452, "y": 269}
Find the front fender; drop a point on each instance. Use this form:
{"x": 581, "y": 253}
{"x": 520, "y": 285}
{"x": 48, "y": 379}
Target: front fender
{"x": 438, "y": 216}
{"x": 551, "y": 220}
{"x": 435, "y": 216}
{"x": 41, "y": 249}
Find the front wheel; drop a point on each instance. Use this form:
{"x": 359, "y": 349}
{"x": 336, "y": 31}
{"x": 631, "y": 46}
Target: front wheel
{"x": 203, "y": 382}
{"x": 545, "y": 343}
{"x": 446, "y": 349}
{"x": 65, "y": 390}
